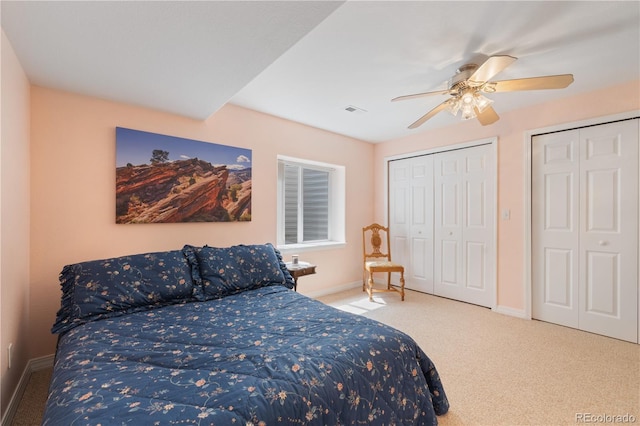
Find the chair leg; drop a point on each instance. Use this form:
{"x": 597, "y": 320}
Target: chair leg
{"x": 402, "y": 286}
{"x": 370, "y": 287}
{"x": 364, "y": 278}
{"x": 388, "y": 280}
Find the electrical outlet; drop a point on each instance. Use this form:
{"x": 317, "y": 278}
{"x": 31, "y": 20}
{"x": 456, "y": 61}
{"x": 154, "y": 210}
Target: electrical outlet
{"x": 9, "y": 354}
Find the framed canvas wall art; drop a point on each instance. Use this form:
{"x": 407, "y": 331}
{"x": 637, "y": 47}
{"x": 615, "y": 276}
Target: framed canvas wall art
{"x": 168, "y": 179}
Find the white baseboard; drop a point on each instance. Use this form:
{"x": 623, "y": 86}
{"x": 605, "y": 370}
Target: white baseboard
{"x": 518, "y": 313}
{"x": 41, "y": 363}
{"x": 33, "y": 365}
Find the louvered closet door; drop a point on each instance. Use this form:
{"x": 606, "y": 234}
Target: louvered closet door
{"x": 585, "y": 229}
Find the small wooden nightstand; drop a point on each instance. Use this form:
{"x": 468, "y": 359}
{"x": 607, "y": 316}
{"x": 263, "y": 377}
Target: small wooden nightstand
{"x": 300, "y": 270}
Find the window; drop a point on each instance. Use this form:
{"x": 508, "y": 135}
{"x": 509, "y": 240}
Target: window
{"x": 311, "y": 203}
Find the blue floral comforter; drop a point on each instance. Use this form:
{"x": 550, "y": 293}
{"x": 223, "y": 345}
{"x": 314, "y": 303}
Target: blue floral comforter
{"x": 261, "y": 357}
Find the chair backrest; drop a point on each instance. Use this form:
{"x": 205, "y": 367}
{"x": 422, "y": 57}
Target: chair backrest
{"x": 375, "y": 242}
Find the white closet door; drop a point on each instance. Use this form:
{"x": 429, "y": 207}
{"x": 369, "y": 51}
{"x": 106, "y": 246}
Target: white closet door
{"x": 421, "y": 235}
{"x": 464, "y": 225}
{"x": 609, "y": 230}
{"x": 399, "y": 212}
{"x": 441, "y": 219}
{"x": 585, "y": 229}
{"x": 411, "y": 219}
{"x": 449, "y": 278}
{"x": 478, "y": 222}
{"x": 555, "y": 227}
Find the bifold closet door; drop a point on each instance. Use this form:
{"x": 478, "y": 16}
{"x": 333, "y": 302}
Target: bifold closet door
{"x": 555, "y": 265}
{"x": 609, "y": 237}
{"x": 411, "y": 219}
{"x": 585, "y": 229}
{"x": 441, "y": 218}
{"x": 464, "y": 208}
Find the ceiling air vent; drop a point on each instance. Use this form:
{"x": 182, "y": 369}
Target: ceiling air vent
{"x": 354, "y": 109}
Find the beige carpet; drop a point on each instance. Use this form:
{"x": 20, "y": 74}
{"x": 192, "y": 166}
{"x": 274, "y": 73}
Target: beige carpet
{"x": 500, "y": 370}
{"x": 31, "y": 407}
{"x": 497, "y": 370}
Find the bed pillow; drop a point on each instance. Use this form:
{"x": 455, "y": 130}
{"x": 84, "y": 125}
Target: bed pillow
{"x": 224, "y": 271}
{"x": 109, "y": 287}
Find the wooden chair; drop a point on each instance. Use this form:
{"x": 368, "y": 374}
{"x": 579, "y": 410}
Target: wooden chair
{"x": 376, "y": 252}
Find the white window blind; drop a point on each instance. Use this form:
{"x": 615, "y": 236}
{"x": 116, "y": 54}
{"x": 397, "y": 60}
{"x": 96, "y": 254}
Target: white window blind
{"x": 307, "y": 197}
{"x": 311, "y": 203}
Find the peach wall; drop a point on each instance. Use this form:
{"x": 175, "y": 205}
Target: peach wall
{"x": 73, "y": 191}
{"x": 510, "y": 130}
{"x": 14, "y": 221}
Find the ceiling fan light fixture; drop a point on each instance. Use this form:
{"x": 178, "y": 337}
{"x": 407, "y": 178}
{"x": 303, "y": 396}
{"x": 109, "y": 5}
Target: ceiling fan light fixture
{"x": 467, "y": 98}
{"x": 467, "y": 104}
{"x": 467, "y": 86}
{"x": 467, "y": 112}
{"x": 481, "y": 102}
{"x": 454, "y": 106}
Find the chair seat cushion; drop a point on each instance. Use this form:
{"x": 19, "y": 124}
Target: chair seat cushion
{"x": 382, "y": 264}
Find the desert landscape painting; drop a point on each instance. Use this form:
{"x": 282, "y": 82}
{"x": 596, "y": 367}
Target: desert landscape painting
{"x": 168, "y": 179}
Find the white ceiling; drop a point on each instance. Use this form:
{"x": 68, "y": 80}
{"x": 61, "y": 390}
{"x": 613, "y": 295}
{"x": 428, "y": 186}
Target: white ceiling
{"x": 306, "y": 61}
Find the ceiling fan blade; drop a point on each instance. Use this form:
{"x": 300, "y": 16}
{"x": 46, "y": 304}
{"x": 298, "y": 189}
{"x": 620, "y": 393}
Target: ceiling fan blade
{"x": 490, "y": 68}
{"x": 534, "y": 83}
{"x": 419, "y": 122}
{"x": 419, "y": 95}
{"x": 488, "y": 116}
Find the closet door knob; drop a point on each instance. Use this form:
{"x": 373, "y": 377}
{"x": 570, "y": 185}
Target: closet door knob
{"x": 602, "y": 243}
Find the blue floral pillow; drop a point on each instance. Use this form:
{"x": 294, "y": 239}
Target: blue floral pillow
{"x": 109, "y": 287}
{"x": 224, "y": 271}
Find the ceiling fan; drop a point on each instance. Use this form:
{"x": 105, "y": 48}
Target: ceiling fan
{"x": 471, "y": 80}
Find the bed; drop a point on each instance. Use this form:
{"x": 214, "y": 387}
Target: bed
{"x": 217, "y": 336}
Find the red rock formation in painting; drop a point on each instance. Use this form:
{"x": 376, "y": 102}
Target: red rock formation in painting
{"x": 182, "y": 191}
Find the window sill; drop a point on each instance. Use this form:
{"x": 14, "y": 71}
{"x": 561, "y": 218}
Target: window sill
{"x": 300, "y": 248}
